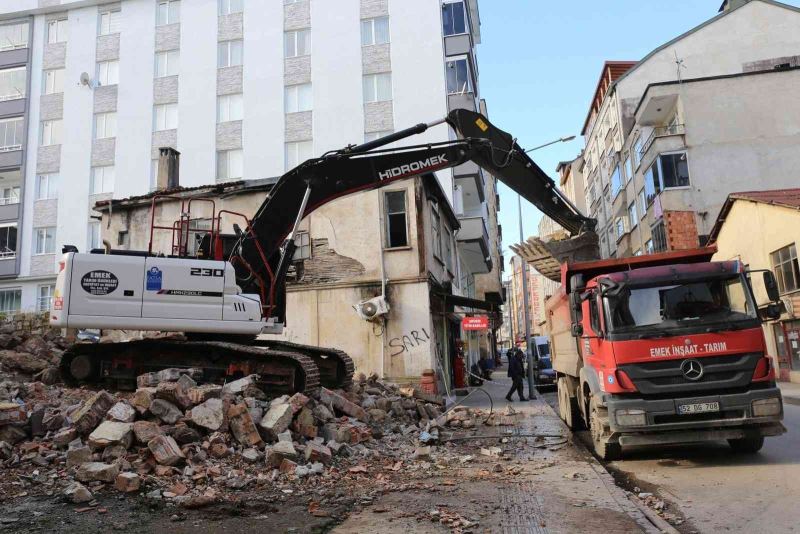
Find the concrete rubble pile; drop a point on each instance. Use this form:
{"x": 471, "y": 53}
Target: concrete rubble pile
{"x": 33, "y": 354}
{"x": 191, "y": 444}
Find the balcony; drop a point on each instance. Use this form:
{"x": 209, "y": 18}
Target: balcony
{"x": 461, "y": 101}
{"x": 660, "y": 132}
{"x": 473, "y": 244}
{"x": 470, "y": 178}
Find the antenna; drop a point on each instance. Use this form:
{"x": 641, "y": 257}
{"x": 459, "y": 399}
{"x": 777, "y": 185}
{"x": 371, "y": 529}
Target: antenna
{"x": 679, "y": 65}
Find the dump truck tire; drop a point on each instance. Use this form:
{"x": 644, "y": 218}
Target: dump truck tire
{"x": 568, "y": 405}
{"x": 598, "y": 423}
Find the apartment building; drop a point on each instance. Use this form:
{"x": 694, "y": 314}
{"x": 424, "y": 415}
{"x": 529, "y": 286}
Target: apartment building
{"x": 244, "y": 89}
{"x": 668, "y": 137}
{"x": 540, "y": 288}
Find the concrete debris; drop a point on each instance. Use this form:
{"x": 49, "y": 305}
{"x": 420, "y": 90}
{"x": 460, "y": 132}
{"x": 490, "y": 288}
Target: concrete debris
{"x": 142, "y": 399}
{"x": 166, "y": 411}
{"x": 122, "y": 412}
{"x": 111, "y": 433}
{"x": 11, "y": 412}
{"x": 316, "y": 452}
{"x": 165, "y": 450}
{"x": 238, "y": 386}
{"x": 208, "y": 415}
{"x": 78, "y": 455}
{"x": 338, "y": 402}
{"x": 97, "y": 471}
{"x": 92, "y": 412}
{"x": 127, "y": 482}
{"x": 77, "y": 493}
{"x": 145, "y": 431}
{"x": 242, "y": 426}
{"x": 280, "y": 451}
{"x": 276, "y": 420}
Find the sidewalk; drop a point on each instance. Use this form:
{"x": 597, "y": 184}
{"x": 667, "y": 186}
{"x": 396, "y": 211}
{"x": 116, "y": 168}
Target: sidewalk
{"x": 539, "y": 484}
{"x": 790, "y": 392}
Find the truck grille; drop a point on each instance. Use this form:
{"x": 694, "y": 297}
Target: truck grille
{"x": 719, "y": 372}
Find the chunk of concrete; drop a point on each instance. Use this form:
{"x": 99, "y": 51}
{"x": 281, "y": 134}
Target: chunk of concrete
{"x": 305, "y": 424}
{"x": 237, "y": 386}
{"x": 208, "y": 415}
{"x": 11, "y": 412}
{"x": 201, "y": 394}
{"x": 165, "y": 450}
{"x": 143, "y": 398}
{"x": 77, "y": 493}
{"x": 166, "y": 411}
{"x": 145, "y": 431}
{"x": 92, "y": 412}
{"x": 280, "y": 451}
{"x": 276, "y": 420}
{"x": 111, "y": 433}
{"x": 242, "y": 426}
{"x": 127, "y": 482}
{"x": 318, "y": 453}
{"x": 122, "y": 412}
{"x": 97, "y": 471}
{"x": 78, "y": 455}
{"x": 338, "y": 402}
{"x": 63, "y": 437}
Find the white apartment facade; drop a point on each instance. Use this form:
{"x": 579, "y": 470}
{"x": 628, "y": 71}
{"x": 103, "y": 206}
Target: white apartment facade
{"x": 244, "y": 89}
{"x": 628, "y": 128}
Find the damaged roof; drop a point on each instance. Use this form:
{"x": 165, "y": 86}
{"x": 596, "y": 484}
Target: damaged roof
{"x": 785, "y": 198}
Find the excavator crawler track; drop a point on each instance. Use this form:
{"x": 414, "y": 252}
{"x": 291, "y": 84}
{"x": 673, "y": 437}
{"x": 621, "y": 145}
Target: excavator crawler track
{"x": 281, "y": 371}
{"x": 336, "y": 368}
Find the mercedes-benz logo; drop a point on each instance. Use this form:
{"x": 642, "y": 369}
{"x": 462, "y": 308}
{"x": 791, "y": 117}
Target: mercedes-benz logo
{"x": 692, "y": 370}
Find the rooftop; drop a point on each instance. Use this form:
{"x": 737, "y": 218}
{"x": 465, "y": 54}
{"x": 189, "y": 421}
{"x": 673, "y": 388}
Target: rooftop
{"x": 786, "y": 198}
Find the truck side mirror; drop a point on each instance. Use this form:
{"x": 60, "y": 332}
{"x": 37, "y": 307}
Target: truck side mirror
{"x": 577, "y": 330}
{"x": 773, "y": 311}
{"x": 772, "y": 286}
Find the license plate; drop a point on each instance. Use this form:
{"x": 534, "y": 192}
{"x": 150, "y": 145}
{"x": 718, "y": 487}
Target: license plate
{"x": 698, "y": 407}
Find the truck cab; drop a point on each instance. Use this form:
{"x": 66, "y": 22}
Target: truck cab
{"x": 664, "y": 349}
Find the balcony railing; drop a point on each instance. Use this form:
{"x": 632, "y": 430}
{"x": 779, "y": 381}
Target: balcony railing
{"x": 7, "y": 254}
{"x": 661, "y": 131}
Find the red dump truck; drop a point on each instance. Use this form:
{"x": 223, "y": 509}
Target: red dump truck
{"x": 664, "y": 348}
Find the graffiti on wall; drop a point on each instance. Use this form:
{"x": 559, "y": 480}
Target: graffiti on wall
{"x": 407, "y": 342}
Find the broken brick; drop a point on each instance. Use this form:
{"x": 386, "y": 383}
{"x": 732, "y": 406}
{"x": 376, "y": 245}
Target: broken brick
{"x": 340, "y": 403}
{"x": 208, "y": 415}
{"x": 142, "y": 399}
{"x": 111, "y": 433}
{"x": 92, "y": 412}
{"x": 127, "y": 482}
{"x": 242, "y": 426}
{"x": 165, "y": 450}
{"x": 11, "y": 412}
{"x": 318, "y": 453}
{"x": 283, "y": 450}
{"x": 166, "y": 411}
{"x": 97, "y": 471}
{"x": 276, "y": 420}
{"x": 145, "y": 431}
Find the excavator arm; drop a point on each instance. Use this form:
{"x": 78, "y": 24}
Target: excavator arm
{"x": 264, "y": 250}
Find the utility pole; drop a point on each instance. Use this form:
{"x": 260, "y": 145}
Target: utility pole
{"x": 526, "y": 319}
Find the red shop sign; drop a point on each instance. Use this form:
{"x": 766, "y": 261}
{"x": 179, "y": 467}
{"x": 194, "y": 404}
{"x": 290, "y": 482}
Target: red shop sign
{"x": 479, "y": 322}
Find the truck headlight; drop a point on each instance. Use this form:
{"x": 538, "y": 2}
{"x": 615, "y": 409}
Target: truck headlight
{"x": 765, "y": 407}
{"x": 633, "y": 417}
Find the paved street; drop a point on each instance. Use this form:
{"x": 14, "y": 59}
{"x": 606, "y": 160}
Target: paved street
{"x": 718, "y": 491}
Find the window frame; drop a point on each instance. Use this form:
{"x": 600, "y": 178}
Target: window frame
{"x": 61, "y": 27}
{"x": 114, "y": 23}
{"x": 225, "y": 108}
{"x": 292, "y": 93}
{"x": 293, "y": 37}
{"x": 229, "y": 47}
{"x": 224, "y": 7}
{"x": 794, "y": 267}
{"x": 227, "y": 163}
{"x": 105, "y": 125}
{"x": 51, "y": 288}
{"x": 387, "y": 236}
{"x": 92, "y": 227}
{"x": 51, "y": 190}
{"x": 106, "y": 182}
{"x": 19, "y": 94}
{"x": 470, "y": 83}
{"x": 24, "y": 34}
{"x": 302, "y": 241}
{"x": 372, "y": 33}
{"x": 50, "y": 130}
{"x": 617, "y": 172}
{"x": 170, "y": 13}
{"x": 110, "y": 66}
{"x": 57, "y": 79}
{"x": 436, "y": 232}
{"x": 44, "y": 236}
{"x": 661, "y": 169}
{"x": 167, "y": 108}
{"x": 297, "y": 145}
{"x": 17, "y": 298}
{"x": 633, "y": 214}
{"x": 7, "y": 227}
{"x": 374, "y": 77}
{"x": 464, "y": 13}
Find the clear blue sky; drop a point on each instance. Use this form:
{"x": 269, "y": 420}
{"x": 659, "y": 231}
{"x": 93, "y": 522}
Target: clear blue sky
{"x": 540, "y": 61}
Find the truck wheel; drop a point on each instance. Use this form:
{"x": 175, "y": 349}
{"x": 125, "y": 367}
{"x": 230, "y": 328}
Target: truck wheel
{"x": 748, "y": 445}
{"x": 568, "y": 405}
{"x": 599, "y": 427}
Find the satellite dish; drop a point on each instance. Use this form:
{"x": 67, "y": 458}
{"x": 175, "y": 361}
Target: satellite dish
{"x": 85, "y": 79}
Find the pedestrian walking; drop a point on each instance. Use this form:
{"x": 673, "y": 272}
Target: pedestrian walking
{"x": 516, "y": 370}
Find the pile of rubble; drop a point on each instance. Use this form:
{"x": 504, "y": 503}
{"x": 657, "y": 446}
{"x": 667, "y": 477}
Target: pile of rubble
{"x": 31, "y": 353}
{"x": 189, "y": 443}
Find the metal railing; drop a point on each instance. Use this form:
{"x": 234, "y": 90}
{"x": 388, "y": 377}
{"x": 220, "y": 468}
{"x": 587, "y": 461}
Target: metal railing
{"x": 661, "y": 131}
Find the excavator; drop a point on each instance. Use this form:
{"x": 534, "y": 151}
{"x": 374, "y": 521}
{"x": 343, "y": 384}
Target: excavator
{"x": 231, "y": 288}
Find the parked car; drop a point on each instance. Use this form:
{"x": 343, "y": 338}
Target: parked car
{"x": 545, "y": 375}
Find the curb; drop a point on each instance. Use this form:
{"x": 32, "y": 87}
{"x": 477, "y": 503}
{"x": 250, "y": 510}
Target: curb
{"x": 794, "y": 401}
{"x": 618, "y": 494}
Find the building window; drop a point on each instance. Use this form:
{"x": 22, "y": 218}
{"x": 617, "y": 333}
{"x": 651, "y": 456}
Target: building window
{"x": 45, "y": 240}
{"x": 374, "y": 136}
{"x": 619, "y": 223}
{"x": 298, "y": 152}
{"x": 122, "y": 238}
{"x": 10, "y": 300}
{"x": 46, "y": 186}
{"x": 674, "y": 170}
{"x": 454, "y": 18}
{"x": 297, "y": 98}
{"x": 642, "y": 204}
{"x": 648, "y": 246}
{"x": 109, "y": 21}
{"x": 13, "y": 83}
{"x": 165, "y": 117}
{"x": 297, "y": 43}
{"x": 652, "y": 184}
{"x": 93, "y": 236}
{"x": 394, "y": 206}
{"x": 458, "y": 77}
{"x": 102, "y": 180}
{"x": 57, "y": 31}
{"x": 628, "y": 168}
{"x": 153, "y": 174}
{"x": 8, "y": 241}
{"x": 375, "y": 31}
{"x": 44, "y": 297}
{"x": 230, "y": 165}
{"x": 228, "y": 7}
{"x": 303, "y": 243}
{"x": 378, "y": 87}
{"x": 436, "y": 231}
{"x": 229, "y": 108}
{"x": 638, "y": 252}
{"x": 786, "y": 269}
{"x": 13, "y": 36}
{"x": 168, "y": 63}
{"x": 53, "y": 81}
{"x": 108, "y": 72}
{"x": 168, "y": 12}
{"x": 632, "y": 215}
{"x": 50, "y": 135}
{"x": 448, "y": 250}
{"x": 11, "y": 134}
{"x": 616, "y": 182}
{"x": 229, "y": 54}
{"x": 105, "y": 125}
{"x": 9, "y": 194}
{"x": 659, "y": 236}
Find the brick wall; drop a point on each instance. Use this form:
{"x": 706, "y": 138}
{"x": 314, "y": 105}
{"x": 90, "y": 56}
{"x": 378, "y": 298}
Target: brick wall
{"x": 681, "y": 230}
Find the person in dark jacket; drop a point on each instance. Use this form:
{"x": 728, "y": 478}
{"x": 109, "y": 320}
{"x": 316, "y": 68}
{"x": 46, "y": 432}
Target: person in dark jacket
{"x": 516, "y": 370}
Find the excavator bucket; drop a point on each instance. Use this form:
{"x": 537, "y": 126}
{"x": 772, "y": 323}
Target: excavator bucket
{"x": 547, "y": 256}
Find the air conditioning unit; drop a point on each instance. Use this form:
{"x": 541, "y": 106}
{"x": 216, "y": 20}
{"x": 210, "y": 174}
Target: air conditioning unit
{"x": 789, "y": 305}
{"x": 372, "y": 309}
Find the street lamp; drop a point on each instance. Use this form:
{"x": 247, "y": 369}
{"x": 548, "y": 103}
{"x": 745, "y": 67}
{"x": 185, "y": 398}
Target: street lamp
{"x": 525, "y": 304}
